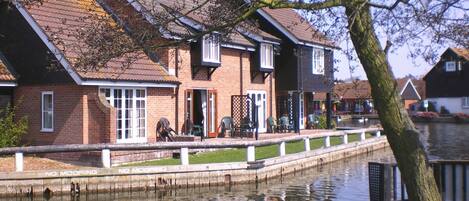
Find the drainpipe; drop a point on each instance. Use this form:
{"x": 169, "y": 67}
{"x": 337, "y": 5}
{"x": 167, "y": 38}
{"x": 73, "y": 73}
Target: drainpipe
{"x": 241, "y": 90}
{"x": 176, "y": 106}
{"x": 297, "y": 95}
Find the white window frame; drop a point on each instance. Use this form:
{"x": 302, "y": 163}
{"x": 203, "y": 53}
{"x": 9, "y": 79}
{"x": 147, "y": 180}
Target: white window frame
{"x": 452, "y": 68}
{"x": 262, "y": 104}
{"x": 43, "y": 94}
{"x": 134, "y": 108}
{"x": 465, "y": 102}
{"x": 318, "y": 61}
{"x": 212, "y": 43}
{"x": 267, "y": 55}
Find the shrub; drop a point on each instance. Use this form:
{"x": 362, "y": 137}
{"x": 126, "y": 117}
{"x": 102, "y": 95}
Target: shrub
{"x": 431, "y": 107}
{"x": 11, "y": 131}
{"x": 443, "y": 110}
{"x": 322, "y": 122}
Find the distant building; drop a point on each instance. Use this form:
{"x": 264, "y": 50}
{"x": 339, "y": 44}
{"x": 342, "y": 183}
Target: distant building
{"x": 447, "y": 83}
{"x": 355, "y": 97}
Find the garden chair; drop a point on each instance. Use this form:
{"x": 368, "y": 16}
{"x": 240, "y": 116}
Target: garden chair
{"x": 245, "y": 127}
{"x": 272, "y": 125}
{"x": 190, "y": 129}
{"x": 225, "y": 125}
{"x": 164, "y": 130}
{"x": 311, "y": 121}
{"x": 285, "y": 124}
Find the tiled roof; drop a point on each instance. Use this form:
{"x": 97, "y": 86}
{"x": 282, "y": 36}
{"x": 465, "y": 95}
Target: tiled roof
{"x": 355, "y": 90}
{"x": 360, "y": 89}
{"x": 199, "y": 17}
{"x": 67, "y": 15}
{"x": 461, "y": 52}
{"x": 5, "y": 74}
{"x": 298, "y": 26}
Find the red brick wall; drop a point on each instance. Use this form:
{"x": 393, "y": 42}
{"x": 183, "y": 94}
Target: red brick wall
{"x": 161, "y": 103}
{"x": 225, "y": 80}
{"x": 68, "y": 114}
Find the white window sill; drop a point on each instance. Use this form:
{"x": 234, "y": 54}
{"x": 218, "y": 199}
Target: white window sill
{"x": 46, "y": 130}
{"x": 267, "y": 67}
{"x": 211, "y": 61}
{"x": 128, "y": 141}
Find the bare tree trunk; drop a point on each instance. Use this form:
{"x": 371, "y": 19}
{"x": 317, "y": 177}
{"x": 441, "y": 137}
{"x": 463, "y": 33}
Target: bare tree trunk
{"x": 399, "y": 128}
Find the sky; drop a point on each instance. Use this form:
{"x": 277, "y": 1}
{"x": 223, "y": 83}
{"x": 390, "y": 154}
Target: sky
{"x": 401, "y": 64}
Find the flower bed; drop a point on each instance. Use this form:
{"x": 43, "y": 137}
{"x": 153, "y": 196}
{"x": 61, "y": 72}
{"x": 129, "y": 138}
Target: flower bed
{"x": 461, "y": 118}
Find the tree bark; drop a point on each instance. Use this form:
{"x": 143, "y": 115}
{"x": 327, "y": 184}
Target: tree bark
{"x": 399, "y": 128}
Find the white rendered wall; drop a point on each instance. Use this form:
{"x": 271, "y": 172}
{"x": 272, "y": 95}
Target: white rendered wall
{"x": 452, "y": 104}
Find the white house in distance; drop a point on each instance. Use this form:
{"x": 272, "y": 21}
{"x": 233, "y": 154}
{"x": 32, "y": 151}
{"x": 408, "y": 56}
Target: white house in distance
{"x": 447, "y": 83}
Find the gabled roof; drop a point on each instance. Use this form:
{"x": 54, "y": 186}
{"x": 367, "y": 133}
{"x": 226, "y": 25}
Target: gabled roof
{"x": 361, "y": 89}
{"x": 295, "y": 27}
{"x": 464, "y": 53}
{"x": 58, "y": 18}
{"x": 197, "y": 20}
{"x": 6, "y": 72}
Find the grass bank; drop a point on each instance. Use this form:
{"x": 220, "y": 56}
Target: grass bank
{"x": 239, "y": 155}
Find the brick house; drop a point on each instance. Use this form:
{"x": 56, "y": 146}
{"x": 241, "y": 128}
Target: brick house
{"x": 447, "y": 83}
{"x": 353, "y": 97}
{"x": 196, "y": 80}
{"x": 66, "y": 105}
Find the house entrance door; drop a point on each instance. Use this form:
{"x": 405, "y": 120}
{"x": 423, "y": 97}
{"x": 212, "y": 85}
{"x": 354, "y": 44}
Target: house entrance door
{"x": 260, "y": 98}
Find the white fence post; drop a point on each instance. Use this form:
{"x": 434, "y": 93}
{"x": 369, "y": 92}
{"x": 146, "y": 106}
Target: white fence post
{"x": 251, "y": 154}
{"x": 307, "y": 145}
{"x": 345, "y": 139}
{"x": 378, "y": 133}
{"x": 362, "y": 136}
{"x": 281, "y": 149}
{"x": 184, "y": 156}
{"x": 106, "y": 158}
{"x": 19, "y": 162}
{"x": 327, "y": 141}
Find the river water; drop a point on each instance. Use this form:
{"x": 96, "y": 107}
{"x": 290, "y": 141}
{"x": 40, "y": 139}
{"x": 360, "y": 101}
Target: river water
{"x": 345, "y": 180}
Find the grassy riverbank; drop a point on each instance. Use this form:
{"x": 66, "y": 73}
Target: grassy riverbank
{"x": 239, "y": 155}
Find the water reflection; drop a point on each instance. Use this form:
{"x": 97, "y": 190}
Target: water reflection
{"x": 442, "y": 140}
{"x": 342, "y": 180}
{"x": 445, "y": 140}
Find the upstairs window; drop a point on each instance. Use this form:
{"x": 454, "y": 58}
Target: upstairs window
{"x": 450, "y": 66}
{"x": 47, "y": 111}
{"x": 465, "y": 102}
{"x": 211, "y": 48}
{"x": 267, "y": 56}
{"x": 318, "y": 61}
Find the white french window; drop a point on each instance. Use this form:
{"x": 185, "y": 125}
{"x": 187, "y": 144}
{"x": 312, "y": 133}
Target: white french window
{"x": 131, "y": 120}
{"x": 47, "y": 111}
{"x": 267, "y": 56}
{"x": 211, "y": 48}
{"x": 318, "y": 61}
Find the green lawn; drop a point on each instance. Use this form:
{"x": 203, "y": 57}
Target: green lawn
{"x": 239, "y": 155}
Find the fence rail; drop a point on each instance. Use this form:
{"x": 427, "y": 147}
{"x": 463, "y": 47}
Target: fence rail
{"x": 386, "y": 183}
{"x": 184, "y": 147}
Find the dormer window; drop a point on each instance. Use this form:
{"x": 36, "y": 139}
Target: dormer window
{"x": 450, "y": 66}
{"x": 318, "y": 61}
{"x": 211, "y": 48}
{"x": 267, "y": 56}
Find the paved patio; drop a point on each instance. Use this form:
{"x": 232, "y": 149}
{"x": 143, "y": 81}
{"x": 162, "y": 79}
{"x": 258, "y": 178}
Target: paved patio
{"x": 265, "y": 136}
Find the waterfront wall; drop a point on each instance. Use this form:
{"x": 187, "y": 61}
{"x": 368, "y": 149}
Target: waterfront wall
{"x": 117, "y": 179}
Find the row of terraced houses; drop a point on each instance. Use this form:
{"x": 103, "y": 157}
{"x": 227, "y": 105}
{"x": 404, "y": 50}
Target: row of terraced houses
{"x": 281, "y": 66}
